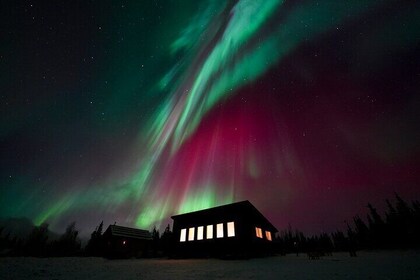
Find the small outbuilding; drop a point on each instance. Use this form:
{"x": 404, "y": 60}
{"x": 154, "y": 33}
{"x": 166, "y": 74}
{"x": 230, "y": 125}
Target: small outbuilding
{"x": 125, "y": 242}
{"x": 233, "y": 230}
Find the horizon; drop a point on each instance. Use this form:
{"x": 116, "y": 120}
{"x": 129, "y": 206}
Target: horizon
{"x": 86, "y": 234}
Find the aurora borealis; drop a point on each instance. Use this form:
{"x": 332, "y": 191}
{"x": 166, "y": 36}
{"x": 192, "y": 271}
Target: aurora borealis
{"x": 132, "y": 111}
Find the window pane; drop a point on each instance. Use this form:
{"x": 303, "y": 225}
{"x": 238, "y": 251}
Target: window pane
{"x": 183, "y": 235}
{"x": 268, "y": 235}
{"x": 209, "y": 233}
{"x": 258, "y": 232}
{"x": 231, "y": 229}
{"x": 200, "y": 231}
{"x": 219, "y": 230}
{"x": 191, "y": 232}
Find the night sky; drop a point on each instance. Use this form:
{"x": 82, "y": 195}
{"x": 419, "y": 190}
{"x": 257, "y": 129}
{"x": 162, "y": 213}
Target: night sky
{"x": 133, "y": 111}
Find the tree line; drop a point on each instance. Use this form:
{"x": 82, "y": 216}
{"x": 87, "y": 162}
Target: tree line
{"x": 37, "y": 244}
{"x": 398, "y": 229}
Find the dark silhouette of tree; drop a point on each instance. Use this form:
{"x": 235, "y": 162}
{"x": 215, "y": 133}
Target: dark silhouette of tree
{"x": 36, "y": 245}
{"x": 339, "y": 240}
{"x": 156, "y": 246}
{"x": 402, "y": 207}
{"x": 326, "y": 244}
{"x": 405, "y": 221}
{"x": 95, "y": 246}
{"x": 416, "y": 223}
{"x": 288, "y": 241}
{"x": 392, "y": 226}
{"x": 69, "y": 243}
{"x": 377, "y": 235}
{"x": 416, "y": 206}
{"x": 361, "y": 236}
{"x": 4, "y": 243}
{"x": 377, "y": 220}
{"x": 351, "y": 244}
{"x": 400, "y": 229}
{"x": 167, "y": 240}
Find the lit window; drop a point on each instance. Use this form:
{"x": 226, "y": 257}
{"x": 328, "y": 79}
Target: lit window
{"x": 258, "y": 232}
{"x": 268, "y": 235}
{"x": 231, "y": 229}
{"x": 191, "y": 232}
{"x": 200, "y": 231}
{"x": 209, "y": 233}
{"x": 219, "y": 231}
{"x": 183, "y": 236}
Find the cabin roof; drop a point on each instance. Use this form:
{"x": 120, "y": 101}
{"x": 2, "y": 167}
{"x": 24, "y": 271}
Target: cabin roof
{"x": 244, "y": 207}
{"x": 121, "y": 231}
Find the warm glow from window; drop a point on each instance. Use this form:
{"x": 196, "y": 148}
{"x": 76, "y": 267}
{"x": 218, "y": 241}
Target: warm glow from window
{"x": 258, "y": 232}
{"x": 231, "y": 229}
{"x": 209, "y": 233}
{"x": 200, "y": 231}
{"x": 191, "y": 232}
{"x": 183, "y": 235}
{"x": 219, "y": 233}
{"x": 268, "y": 235}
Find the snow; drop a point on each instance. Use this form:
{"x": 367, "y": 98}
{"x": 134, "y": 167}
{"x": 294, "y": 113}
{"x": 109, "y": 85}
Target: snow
{"x": 367, "y": 265}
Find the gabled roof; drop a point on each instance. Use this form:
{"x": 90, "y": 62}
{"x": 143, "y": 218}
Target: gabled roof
{"x": 244, "y": 207}
{"x": 121, "y": 231}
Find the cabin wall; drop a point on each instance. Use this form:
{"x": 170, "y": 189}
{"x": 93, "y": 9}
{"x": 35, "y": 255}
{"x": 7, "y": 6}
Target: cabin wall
{"x": 124, "y": 247}
{"x": 244, "y": 243}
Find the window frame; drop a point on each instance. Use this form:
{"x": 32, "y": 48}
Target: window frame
{"x": 200, "y": 233}
{"x": 268, "y": 235}
{"x": 258, "y": 232}
{"x": 220, "y": 230}
{"x": 191, "y": 234}
{"x": 183, "y": 235}
{"x": 230, "y": 230}
{"x": 210, "y": 236}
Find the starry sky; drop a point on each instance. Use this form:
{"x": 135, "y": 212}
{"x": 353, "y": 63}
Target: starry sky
{"x": 133, "y": 111}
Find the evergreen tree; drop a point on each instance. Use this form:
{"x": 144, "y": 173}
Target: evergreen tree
{"x": 95, "y": 243}
{"x": 370, "y": 221}
{"x": 377, "y": 220}
{"x": 405, "y": 222}
{"x": 36, "y": 245}
{"x": 100, "y": 228}
{"x": 167, "y": 240}
{"x": 351, "y": 244}
{"x": 416, "y": 223}
{"x": 376, "y": 228}
{"x": 326, "y": 244}
{"x": 391, "y": 215}
{"x": 339, "y": 241}
{"x": 69, "y": 243}
{"x": 156, "y": 246}
{"x": 362, "y": 232}
{"x": 2, "y": 240}
{"x": 403, "y": 209}
{"x": 393, "y": 235}
{"x": 416, "y": 206}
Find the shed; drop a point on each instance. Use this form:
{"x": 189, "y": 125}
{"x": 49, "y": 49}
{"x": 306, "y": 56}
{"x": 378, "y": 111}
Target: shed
{"x": 125, "y": 242}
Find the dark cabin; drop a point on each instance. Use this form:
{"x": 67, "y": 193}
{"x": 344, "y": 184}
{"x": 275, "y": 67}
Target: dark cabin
{"x": 125, "y": 242}
{"x": 233, "y": 230}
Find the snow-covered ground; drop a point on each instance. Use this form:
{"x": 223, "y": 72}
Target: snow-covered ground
{"x": 367, "y": 265}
